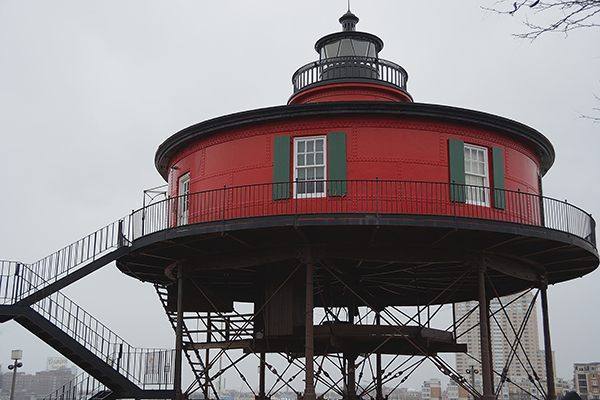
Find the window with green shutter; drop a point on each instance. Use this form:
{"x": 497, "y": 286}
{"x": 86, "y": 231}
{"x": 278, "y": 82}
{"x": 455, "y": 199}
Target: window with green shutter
{"x": 469, "y": 166}
{"x": 316, "y": 158}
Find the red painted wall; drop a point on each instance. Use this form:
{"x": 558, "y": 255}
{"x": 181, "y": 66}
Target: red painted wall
{"x": 383, "y": 148}
{"x": 350, "y": 92}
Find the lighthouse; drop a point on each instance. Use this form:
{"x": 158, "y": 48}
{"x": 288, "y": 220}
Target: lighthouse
{"x": 327, "y": 233}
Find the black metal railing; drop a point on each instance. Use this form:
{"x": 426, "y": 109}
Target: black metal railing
{"x": 374, "y": 197}
{"x": 36, "y": 276}
{"x": 147, "y": 368}
{"x": 377, "y": 197}
{"x": 82, "y": 387}
{"x": 376, "y": 69}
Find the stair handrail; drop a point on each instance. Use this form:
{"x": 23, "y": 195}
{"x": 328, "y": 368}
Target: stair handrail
{"x": 82, "y": 387}
{"x": 20, "y": 280}
{"x": 148, "y": 368}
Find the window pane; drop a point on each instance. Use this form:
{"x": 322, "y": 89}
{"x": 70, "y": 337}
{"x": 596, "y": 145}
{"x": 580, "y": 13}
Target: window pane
{"x": 319, "y": 159}
{"x": 320, "y": 187}
{"x": 310, "y": 174}
{"x": 310, "y": 146}
{"x": 300, "y": 160}
{"x": 332, "y": 49}
{"x": 301, "y": 188}
{"x": 372, "y": 52}
{"x": 301, "y": 147}
{"x": 346, "y": 48}
{"x": 301, "y": 174}
{"x": 360, "y": 47}
{"x": 319, "y": 145}
{"x": 320, "y": 172}
{"x": 310, "y": 159}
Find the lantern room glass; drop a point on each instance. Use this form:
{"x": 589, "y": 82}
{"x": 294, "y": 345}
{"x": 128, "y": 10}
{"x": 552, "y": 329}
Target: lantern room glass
{"x": 349, "y": 48}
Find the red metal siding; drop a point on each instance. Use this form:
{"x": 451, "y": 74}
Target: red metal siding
{"x": 350, "y": 92}
{"x": 386, "y": 148}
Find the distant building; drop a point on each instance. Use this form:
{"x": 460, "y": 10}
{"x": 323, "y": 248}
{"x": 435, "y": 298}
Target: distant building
{"x": 28, "y": 387}
{"x": 431, "y": 390}
{"x": 452, "y": 391}
{"x": 563, "y": 386}
{"x": 585, "y": 378}
{"x": 528, "y": 360}
{"x": 405, "y": 394}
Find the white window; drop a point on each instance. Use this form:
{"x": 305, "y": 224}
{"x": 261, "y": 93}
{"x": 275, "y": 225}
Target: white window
{"x": 183, "y": 203}
{"x": 476, "y": 175}
{"x": 309, "y": 166}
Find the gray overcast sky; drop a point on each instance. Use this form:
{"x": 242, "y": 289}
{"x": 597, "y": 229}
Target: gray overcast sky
{"x": 88, "y": 90}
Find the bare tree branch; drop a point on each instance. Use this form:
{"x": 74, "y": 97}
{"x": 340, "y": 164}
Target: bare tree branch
{"x": 561, "y": 16}
{"x": 564, "y": 15}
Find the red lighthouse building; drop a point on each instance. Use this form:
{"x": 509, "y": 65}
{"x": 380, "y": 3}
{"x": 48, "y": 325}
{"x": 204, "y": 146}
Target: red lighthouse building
{"x": 331, "y": 215}
{"x": 322, "y": 238}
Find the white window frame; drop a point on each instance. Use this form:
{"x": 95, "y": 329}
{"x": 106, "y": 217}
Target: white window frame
{"x": 477, "y": 195}
{"x": 183, "y": 201}
{"x": 320, "y": 188}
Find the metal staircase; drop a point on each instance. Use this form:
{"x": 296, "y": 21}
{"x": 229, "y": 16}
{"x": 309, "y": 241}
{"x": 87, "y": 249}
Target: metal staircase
{"x": 204, "y": 332}
{"x": 192, "y": 354}
{"x": 30, "y": 295}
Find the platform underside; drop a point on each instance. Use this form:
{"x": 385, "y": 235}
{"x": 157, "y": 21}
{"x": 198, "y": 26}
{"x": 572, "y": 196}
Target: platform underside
{"x": 396, "y": 260}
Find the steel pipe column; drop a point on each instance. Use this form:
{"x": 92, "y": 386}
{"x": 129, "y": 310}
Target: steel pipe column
{"x": 378, "y": 377}
{"x": 484, "y": 334}
{"x": 309, "y": 387}
{"x": 179, "y": 335}
{"x": 351, "y": 374}
{"x": 547, "y": 341}
{"x": 261, "y": 377}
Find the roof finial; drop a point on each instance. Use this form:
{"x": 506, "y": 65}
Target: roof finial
{"x": 348, "y": 20}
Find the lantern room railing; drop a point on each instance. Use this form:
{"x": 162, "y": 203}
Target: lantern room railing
{"x": 361, "y": 68}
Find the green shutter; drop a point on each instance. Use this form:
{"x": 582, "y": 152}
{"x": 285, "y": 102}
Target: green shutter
{"x": 498, "y": 178}
{"x": 336, "y": 163}
{"x": 281, "y": 167}
{"x": 456, "y": 159}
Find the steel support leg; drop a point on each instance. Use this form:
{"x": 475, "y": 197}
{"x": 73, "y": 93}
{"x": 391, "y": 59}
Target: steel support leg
{"x": 379, "y": 381}
{"x": 351, "y": 386}
{"x": 309, "y": 388}
{"x": 206, "y": 388}
{"x": 484, "y": 334}
{"x": 261, "y": 378}
{"x": 547, "y": 343}
{"x": 179, "y": 335}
